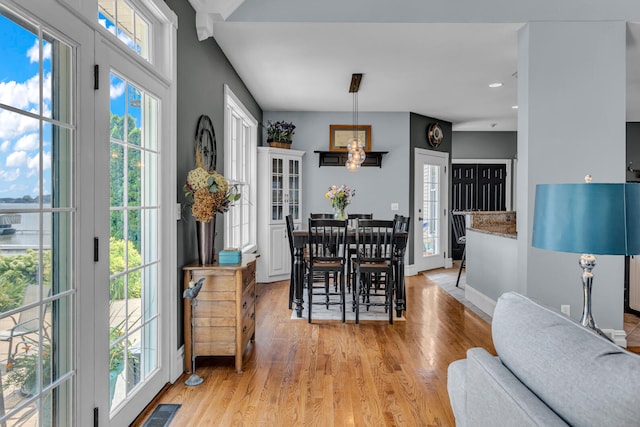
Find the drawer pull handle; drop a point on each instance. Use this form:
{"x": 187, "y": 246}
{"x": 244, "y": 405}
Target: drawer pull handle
{"x": 244, "y": 305}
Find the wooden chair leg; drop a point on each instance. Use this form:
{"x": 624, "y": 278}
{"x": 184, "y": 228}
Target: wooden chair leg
{"x": 309, "y": 294}
{"x": 291, "y": 288}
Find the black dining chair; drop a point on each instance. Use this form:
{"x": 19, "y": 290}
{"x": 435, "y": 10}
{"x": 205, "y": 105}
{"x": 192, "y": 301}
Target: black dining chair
{"x": 290, "y": 227}
{"x": 321, "y": 216}
{"x": 373, "y": 266}
{"x": 353, "y": 223}
{"x": 327, "y": 249}
{"x": 460, "y": 234}
{"x": 355, "y": 216}
{"x": 400, "y": 223}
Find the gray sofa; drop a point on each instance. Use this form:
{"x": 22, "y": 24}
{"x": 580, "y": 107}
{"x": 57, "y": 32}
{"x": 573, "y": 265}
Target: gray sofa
{"x": 550, "y": 371}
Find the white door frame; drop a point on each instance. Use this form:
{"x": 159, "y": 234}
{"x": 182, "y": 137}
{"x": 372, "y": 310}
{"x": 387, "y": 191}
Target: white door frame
{"x": 435, "y": 261}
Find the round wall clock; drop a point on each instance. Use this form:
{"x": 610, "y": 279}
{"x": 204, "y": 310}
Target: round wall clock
{"x": 435, "y": 134}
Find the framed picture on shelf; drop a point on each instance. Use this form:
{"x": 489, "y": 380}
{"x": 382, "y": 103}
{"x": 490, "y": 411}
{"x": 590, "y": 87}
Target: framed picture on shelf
{"x": 340, "y": 135}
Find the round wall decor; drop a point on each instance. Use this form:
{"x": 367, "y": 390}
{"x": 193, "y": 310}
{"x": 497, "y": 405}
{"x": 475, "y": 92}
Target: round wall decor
{"x": 434, "y": 134}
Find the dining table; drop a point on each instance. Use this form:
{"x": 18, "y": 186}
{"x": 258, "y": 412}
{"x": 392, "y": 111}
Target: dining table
{"x": 300, "y": 240}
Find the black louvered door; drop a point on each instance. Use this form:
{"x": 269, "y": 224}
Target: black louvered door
{"x": 477, "y": 187}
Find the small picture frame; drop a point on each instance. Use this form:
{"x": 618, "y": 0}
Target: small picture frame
{"x": 340, "y": 135}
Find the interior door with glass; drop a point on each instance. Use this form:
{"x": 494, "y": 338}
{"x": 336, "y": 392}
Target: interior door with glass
{"x": 431, "y": 201}
{"x": 129, "y": 323}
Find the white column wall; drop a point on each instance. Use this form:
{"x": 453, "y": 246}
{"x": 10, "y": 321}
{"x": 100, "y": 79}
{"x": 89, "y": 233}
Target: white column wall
{"x": 571, "y": 121}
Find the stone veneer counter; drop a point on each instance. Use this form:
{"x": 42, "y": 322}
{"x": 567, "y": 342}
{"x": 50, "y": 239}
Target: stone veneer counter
{"x": 500, "y": 223}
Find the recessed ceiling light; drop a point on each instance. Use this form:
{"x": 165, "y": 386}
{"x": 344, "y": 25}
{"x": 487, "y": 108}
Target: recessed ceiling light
{"x": 515, "y": 107}
{"x": 495, "y": 84}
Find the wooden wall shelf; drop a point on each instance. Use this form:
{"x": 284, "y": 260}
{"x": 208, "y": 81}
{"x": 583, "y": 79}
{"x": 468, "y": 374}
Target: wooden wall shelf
{"x": 339, "y": 158}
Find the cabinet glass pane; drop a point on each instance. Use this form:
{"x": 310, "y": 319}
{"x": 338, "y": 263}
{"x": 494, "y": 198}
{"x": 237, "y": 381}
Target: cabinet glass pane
{"x": 277, "y": 190}
{"x": 294, "y": 189}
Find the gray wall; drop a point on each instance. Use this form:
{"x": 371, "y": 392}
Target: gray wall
{"x": 484, "y": 145}
{"x": 376, "y": 188}
{"x": 203, "y": 70}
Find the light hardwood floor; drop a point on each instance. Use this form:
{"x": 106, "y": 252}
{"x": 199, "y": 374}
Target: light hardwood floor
{"x": 334, "y": 374}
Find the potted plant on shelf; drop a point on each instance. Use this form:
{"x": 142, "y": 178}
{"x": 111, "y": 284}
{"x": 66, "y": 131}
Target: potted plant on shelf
{"x": 279, "y": 134}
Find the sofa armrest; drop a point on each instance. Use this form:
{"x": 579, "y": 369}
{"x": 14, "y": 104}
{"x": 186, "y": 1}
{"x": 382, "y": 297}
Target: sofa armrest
{"x": 457, "y": 389}
{"x": 496, "y": 397}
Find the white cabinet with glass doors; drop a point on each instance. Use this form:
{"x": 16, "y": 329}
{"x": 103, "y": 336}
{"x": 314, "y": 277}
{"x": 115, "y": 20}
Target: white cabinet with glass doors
{"x": 279, "y": 195}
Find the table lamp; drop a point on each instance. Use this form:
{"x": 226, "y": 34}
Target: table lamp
{"x": 590, "y": 219}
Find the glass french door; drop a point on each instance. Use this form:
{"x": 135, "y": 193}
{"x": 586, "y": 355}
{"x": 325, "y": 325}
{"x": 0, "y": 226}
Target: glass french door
{"x": 128, "y": 211}
{"x": 40, "y": 240}
{"x": 431, "y": 201}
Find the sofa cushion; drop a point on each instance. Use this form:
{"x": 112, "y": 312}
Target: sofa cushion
{"x": 496, "y": 397}
{"x": 584, "y": 378}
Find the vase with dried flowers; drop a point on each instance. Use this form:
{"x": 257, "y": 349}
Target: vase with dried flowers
{"x": 209, "y": 193}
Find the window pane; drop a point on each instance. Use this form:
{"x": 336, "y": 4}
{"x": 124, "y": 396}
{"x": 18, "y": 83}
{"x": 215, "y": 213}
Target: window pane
{"x": 132, "y": 29}
{"x": 116, "y": 165}
{"x": 20, "y": 81}
{"x": 150, "y": 247}
{"x": 124, "y": 18}
{"x": 19, "y": 155}
{"x": 151, "y": 120}
{"x": 134, "y": 119}
{"x": 57, "y": 74}
{"x": 150, "y": 175}
{"x": 117, "y": 88}
{"x": 57, "y": 166}
{"x": 134, "y": 165}
{"x": 61, "y": 278}
{"x": 107, "y": 14}
{"x": 134, "y": 229}
{"x": 142, "y": 37}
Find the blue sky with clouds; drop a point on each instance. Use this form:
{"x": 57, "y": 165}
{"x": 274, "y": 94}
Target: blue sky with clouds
{"x": 20, "y": 89}
{"x": 20, "y": 135}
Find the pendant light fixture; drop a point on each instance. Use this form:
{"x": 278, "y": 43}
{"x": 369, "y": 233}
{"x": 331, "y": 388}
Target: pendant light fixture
{"x": 356, "y": 154}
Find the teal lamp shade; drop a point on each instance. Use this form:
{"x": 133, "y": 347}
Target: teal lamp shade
{"x": 588, "y": 218}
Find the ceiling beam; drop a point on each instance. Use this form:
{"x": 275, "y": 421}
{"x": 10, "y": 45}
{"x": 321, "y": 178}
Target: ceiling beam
{"x": 210, "y": 11}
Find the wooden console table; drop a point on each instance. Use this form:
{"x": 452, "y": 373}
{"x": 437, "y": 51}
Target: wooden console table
{"x": 225, "y": 310}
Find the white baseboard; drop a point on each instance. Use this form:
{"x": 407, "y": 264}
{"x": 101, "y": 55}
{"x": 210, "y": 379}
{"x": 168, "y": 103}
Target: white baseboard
{"x": 178, "y": 365}
{"x": 479, "y": 299}
{"x": 410, "y": 270}
{"x": 617, "y": 336}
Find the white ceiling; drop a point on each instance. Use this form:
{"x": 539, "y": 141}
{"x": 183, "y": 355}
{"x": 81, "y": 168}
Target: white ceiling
{"x": 434, "y": 69}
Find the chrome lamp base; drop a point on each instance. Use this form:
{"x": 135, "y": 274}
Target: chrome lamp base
{"x": 587, "y": 262}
